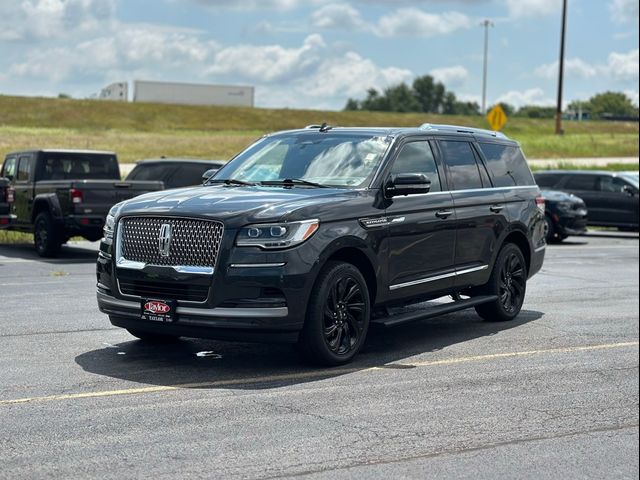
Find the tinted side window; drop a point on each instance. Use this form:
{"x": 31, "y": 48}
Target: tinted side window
{"x": 462, "y": 165}
{"x": 187, "y": 175}
{"x": 9, "y": 168}
{"x": 612, "y": 184}
{"x": 151, "y": 171}
{"x": 581, "y": 182}
{"x": 547, "y": 180}
{"x": 507, "y": 165}
{"x": 417, "y": 157}
{"x": 24, "y": 169}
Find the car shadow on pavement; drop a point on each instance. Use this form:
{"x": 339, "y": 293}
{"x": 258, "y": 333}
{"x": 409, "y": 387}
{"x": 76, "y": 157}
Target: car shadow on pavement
{"x": 71, "y": 253}
{"x": 195, "y": 363}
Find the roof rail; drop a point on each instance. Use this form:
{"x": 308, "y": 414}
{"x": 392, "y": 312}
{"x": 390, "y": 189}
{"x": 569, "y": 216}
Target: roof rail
{"x": 458, "y": 129}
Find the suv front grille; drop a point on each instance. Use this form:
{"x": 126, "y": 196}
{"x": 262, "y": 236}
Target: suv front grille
{"x": 194, "y": 243}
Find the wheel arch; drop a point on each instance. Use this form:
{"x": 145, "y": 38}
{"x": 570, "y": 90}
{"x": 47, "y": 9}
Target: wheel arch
{"x": 519, "y": 238}
{"x": 46, "y": 202}
{"x": 354, "y": 254}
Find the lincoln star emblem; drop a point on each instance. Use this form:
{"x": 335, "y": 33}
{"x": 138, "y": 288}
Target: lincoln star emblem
{"x": 164, "y": 239}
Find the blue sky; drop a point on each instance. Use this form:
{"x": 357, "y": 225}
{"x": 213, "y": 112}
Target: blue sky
{"x": 316, "y": 54}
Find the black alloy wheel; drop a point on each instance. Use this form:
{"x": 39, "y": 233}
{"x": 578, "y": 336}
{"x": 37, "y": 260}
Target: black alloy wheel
{"x": 549, "y": 229}
{"x": 337, "y": 317}
{"x": 343, "y": 315}
{"x": 512, "y": 282}
{"x": 508, "y": 282}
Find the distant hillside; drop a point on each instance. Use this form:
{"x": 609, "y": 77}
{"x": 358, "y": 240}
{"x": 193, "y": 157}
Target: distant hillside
{"x": 139, "y": 130}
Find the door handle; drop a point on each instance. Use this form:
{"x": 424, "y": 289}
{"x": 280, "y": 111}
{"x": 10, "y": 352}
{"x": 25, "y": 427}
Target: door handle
{"x": 496, "y": 208}
{"x": 444, "y": 213}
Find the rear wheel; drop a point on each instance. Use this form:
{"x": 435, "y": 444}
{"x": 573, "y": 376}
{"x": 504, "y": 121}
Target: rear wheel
{"x": 337, "y": 317}
{"x": 46, "y": 238}
{"x": 152, "y": 337}
{"x": 508, "y": 282}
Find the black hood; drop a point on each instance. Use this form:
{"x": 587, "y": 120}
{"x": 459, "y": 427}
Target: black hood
{"x": 239, "y": 205}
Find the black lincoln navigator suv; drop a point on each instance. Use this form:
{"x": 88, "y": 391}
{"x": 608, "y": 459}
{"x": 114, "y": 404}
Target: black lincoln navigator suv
{"x": 313, "y": 235}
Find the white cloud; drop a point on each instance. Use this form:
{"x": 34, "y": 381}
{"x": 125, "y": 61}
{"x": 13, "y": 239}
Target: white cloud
{"x": 572, "y": 66}
{"x": 623, "y": 66}
{"x": 312, "y": 75}
{"x": 268, "y": 63}
{"x": 44, "y": 19}
{"x": 519, "y": 98}
{"x": 338, "y": 16}
{"x": 624, "y": 11}
{"x": 415, "y": 22}
{"x": 532, "y": 8}
{"x": 135, "y": 47}
{"x": 619, "y": 66}
{"x": 251, "y": 4}
{"x": 450, "y": 76}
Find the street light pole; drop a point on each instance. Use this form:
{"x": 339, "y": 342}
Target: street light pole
{"x": 486, "y": 24}
{"x": 559, "y": 130}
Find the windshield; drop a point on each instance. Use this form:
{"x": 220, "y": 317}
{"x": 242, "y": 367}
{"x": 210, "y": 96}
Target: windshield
{"x": 631, "y": 177}
{"x": 328, "y": 159}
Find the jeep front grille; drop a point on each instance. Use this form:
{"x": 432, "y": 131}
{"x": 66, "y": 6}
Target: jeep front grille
{"x": 194, "y": 243}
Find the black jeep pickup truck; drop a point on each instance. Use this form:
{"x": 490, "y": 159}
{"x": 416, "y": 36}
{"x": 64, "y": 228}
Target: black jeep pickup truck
{"x": 6, "y": 199}
{"x": 58, "y": 194}
{"x": 313, "y": 235}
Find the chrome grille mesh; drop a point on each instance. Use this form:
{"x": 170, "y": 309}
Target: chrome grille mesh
{"x": 194, "y": 243}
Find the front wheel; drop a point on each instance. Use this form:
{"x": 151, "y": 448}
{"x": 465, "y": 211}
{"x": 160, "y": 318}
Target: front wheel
{"x": 337, "y": 317}
{"x": 508, "y": 282}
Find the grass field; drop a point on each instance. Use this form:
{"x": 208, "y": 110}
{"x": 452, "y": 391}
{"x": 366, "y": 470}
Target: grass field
{"x": 138, "y": 130}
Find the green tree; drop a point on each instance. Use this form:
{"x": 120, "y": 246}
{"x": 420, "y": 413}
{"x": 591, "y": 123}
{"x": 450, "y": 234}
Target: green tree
{"x": 429, "y": 93}
{"x": 375, "y": 101}
{"x": 401, "y": 98}
{"x": 611, "y": 103}
{"x": 352, "y": 104}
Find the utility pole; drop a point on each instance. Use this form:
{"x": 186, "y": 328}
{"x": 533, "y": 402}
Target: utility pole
{"x": 559, "y": 130}
{"x": 486, "y": 24}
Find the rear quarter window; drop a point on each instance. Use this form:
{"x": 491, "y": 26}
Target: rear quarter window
{"x": 507, "y": 165}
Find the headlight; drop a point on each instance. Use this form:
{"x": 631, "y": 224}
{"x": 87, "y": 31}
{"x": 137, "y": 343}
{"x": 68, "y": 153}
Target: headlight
{"x": 276, "y": 235}
{"x": 110, "y": 223}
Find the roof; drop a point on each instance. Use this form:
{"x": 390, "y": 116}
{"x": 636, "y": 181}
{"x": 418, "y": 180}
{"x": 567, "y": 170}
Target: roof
{"x": 425, "y": 127}
{"x": 578, "y": 172}
{"x": 189, "y": 160}
{"x": 64, "y": 150}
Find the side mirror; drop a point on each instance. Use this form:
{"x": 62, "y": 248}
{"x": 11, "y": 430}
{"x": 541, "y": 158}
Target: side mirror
{"x": 208, "y": 174}
{"x": 407, "y": 184}
{"x": 629, "y": 190}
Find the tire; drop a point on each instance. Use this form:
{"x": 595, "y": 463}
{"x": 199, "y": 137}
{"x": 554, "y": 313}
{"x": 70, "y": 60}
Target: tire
{"x": 337, "y": 317}
{"x": 549, "y": 229}
{"x": 509, "y": 282}
{"x": 46, "y": 237}
{"x": 152, "y": 337}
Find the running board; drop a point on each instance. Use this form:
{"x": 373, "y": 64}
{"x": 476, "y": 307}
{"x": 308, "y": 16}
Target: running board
{"x": 394, "y": 320}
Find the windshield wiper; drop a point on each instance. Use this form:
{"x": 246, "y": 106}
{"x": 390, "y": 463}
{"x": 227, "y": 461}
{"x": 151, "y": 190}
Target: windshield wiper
{"x": 293, "y": 181}
{"x": 229, "y": 181}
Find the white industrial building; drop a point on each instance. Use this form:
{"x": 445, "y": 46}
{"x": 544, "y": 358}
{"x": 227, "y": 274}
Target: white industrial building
{"x": 181, "y": 93}
{"x": 192, "y": 93}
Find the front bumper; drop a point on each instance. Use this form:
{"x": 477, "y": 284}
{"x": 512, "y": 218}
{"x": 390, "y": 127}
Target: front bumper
{"x": 571, "y": 224}
{"x": 252, "y": 295}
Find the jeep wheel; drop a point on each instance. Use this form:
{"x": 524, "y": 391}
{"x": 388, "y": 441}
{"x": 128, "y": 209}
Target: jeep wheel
{"x": 45, "y": 237}
{"x": 152, "y": 337}
{"x": 509, "y": 282}
{"x": 338, "y": 316}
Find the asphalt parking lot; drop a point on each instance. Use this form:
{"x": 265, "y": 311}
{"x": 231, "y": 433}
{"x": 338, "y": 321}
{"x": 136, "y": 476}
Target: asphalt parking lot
{"x": 553, "y": 394}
